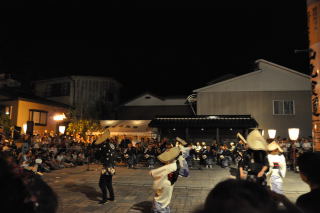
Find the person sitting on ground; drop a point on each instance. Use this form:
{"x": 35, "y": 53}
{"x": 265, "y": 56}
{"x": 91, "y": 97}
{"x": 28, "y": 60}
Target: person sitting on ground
{"x": 150, "y": 155}
{"x": 241, "y": 196}
{"x": 309, "y": 164}
{"x": 130, "y": 155}
{"x": 208, "y": 156}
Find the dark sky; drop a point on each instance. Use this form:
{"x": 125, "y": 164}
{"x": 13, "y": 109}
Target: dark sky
{"x": 166, "y": 48}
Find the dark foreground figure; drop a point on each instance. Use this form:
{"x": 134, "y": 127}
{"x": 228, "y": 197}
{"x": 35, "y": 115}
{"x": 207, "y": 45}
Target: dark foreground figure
{"x": 242, "y": 196}
{"x": 23, "y": 191}
{"x": 309, "y": 166}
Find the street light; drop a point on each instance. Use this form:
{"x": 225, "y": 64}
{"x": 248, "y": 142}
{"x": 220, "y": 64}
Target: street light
{"x": 62, "y": 129}
{"x": 272, "y": 133}
{"x": 294, "y": 135}
{"x": 24, "y": 127}
{"x": 60, "y": 117}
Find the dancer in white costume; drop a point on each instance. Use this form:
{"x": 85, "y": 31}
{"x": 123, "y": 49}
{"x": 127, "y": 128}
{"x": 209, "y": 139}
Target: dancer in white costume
{"x": 277, "y": 167}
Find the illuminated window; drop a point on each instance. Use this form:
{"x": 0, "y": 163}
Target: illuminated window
{"x": 38, "y": 117}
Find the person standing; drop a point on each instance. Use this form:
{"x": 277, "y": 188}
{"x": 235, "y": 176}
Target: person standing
{"x": 164, "y": 179}
{"x": 107, "y": 151}
{"x": 254, "y": 161}
{"x": 277, "y": 167}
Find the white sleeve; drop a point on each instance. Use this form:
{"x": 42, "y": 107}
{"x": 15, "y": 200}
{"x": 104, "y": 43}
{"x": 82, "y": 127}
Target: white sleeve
{"x": 270, "y": 161}
{"x": 163, "y": 170}
{"x": 283, "y": 166}
{"x": 172, "y": 167}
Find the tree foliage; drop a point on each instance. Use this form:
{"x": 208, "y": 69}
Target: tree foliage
{"x": 81, "y": 126}
{"x": 6, "y": 123}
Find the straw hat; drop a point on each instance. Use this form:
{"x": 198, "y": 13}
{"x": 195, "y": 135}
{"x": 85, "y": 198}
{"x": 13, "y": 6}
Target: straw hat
{"x": 103, "y": 137}
{"x": 38, "y": 161}
{"x": 273, "y": 146}
{"x": 169, "y": 155}
{"x": 241, "y": 137}
{"x": 183, "y": 142}
{"x": 255, "y": 141}
{"x": 5, "y": 148}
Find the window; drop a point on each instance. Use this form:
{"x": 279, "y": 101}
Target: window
{"x": 110, "y": 97}
{"x": 38, "y": 117}
{"x": 58, "y": 89}
{"x": 283, "y": 107}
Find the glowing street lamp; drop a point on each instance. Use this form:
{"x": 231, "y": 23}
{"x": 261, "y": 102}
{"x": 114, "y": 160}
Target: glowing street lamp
{"x": 60, "y": 117}
{"x": 62, "y": 129}
{"x": 272, "y": 133}
{"x": 24, "y": 127}
{"x": 293, "y": 133}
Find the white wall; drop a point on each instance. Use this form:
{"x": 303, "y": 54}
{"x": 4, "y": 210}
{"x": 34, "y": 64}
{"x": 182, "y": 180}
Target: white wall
{"x": 270, "y": 77}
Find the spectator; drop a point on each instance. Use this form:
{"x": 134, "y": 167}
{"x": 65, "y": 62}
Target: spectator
{"x": 240, "y": 196}
{"x": 309, "y": 164}
{"x": 22, "y": 191}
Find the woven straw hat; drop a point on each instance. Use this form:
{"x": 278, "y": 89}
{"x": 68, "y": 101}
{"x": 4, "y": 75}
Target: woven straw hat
{"x": 255, "y": 141}
{"x": 241, "y": 137}
{"x": 183, "y": 142}
{"x": 169, "y": 155}
{"x": 273, "y": 146}
{"x": 103, "y": 137}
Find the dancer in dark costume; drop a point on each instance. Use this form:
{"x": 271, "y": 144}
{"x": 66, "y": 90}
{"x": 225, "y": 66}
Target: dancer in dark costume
{"x": 107, "y": 159}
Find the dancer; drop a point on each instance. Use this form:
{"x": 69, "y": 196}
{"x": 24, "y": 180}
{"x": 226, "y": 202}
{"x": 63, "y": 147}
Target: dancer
{"x": 254, "y": 161}
{"x": 107, "y": 151}
{"x": 164, "y": 179}
{"x": 277, "y": 164}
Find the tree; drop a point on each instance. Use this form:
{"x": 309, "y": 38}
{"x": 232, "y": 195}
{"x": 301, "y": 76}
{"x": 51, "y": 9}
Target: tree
{"x": 6, "y": 123}
{"x": 81, "y": 126}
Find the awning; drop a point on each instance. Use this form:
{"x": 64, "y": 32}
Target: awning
{"x": 127, "y": 127}
{"x": 213, "y": 121}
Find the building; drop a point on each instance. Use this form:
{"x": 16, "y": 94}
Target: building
{"x": 203, "y": 128}
{"x": 22, "y": 108}
{"x": 7, "y": 81}
{"x": 275, "y": 96}
{"x": 91, "y": 96}
{"x": 148, "y": 106}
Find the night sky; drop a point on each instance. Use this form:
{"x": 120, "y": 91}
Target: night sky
{"x": 169, "y": 51}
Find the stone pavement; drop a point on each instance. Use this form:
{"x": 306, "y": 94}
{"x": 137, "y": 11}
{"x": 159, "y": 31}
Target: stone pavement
{"x": 78, "y": 189}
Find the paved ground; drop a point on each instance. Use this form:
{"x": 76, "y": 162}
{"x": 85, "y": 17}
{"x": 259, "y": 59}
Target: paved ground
{"x": 78, "y": 189}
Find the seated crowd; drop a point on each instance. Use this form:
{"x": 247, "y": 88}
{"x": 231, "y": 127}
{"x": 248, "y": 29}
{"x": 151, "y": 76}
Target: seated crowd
{"x": 47, "y": 153}
{"x": 50, "y": 152}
